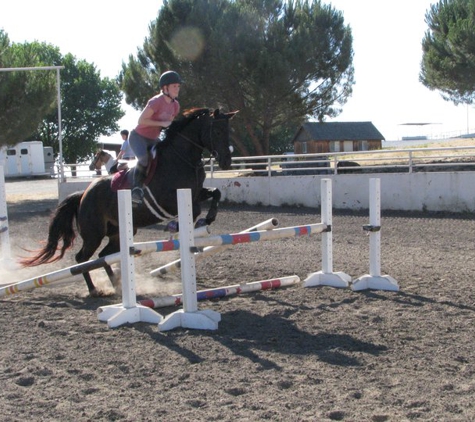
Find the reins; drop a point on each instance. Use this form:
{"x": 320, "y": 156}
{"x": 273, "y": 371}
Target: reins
{"x": 213, "y": 152}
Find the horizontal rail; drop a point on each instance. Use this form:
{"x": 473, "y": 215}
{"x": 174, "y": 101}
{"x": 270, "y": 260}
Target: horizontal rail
{"x": 230, "y": 239}
{"x": 405, "y": 159}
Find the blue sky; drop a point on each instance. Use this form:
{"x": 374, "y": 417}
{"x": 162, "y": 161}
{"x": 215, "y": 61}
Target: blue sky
{"x": 387, "y": 44}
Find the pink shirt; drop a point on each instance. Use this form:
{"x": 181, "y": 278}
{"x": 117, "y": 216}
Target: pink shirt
{"x": 162, "y": 112}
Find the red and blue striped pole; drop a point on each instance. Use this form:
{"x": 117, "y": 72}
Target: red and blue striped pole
{"x": 236, "y": 289}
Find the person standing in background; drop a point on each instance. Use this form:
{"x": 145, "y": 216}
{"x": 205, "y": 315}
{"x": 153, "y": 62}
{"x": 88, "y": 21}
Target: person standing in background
{"x": 126, "y": 152}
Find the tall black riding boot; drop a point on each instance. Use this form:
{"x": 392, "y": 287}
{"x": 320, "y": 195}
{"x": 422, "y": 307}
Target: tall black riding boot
{"x": 139, "y": 178}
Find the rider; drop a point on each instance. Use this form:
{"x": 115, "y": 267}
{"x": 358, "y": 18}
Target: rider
{"x": 157, "y": 114}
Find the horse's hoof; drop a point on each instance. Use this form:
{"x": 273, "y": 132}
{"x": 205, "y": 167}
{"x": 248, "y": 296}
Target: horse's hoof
{"x": 137, "y": 196}
{"x": 201, "y": 223}
{"x": 172, "y": 227}
{"x": 95, "y": 293}
{"x": 99, "y": 293}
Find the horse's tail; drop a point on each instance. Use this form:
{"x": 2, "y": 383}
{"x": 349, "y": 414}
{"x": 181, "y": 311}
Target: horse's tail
{"x": 60, "y": 228}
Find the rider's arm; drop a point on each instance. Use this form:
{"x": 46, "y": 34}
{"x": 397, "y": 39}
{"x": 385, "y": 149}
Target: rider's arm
{"x": 146, "y": 118}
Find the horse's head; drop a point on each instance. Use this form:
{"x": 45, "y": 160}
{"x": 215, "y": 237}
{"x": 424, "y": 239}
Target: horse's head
{"x": 100, "y": 159}
{"x": 217, "y": 140}
{"x": 204, "y": 129}
{"x": 96, "y": 163}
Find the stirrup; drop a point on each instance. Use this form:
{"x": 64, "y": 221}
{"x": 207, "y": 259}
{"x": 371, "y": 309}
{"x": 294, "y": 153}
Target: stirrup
{"x": 137, "y": 195}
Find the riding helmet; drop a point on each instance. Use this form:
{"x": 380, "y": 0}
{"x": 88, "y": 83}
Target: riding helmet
{"x": 170, "y": 77}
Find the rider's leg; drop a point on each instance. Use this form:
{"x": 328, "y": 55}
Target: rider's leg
{"x": 139, "y": 146}
{"x": 140, "y": 173}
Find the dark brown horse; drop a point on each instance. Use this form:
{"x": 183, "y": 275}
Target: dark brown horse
{"x": 180, "y": 166}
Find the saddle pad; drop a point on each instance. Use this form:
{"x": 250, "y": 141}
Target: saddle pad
{"x": 120, "y": 180}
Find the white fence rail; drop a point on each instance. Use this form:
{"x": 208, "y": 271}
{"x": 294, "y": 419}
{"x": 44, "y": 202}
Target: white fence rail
{"x": 389, "y": 160}
{"x": 397, "y": 160}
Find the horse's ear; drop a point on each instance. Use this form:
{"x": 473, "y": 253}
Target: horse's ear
{"x": 231, "y": 114}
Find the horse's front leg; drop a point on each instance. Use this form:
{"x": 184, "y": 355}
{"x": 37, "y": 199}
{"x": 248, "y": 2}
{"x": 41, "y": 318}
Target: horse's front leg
{"x": 215, "y": 195}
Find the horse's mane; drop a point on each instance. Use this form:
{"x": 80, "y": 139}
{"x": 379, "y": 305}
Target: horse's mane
{"x": 183, "y": 120}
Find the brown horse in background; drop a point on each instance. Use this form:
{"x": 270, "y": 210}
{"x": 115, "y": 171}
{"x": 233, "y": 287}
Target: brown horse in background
{"x": 102, "y": 158}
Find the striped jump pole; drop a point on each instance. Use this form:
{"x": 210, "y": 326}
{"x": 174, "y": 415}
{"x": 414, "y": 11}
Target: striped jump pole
{"x": 220, "y": 292}
{"x": 212, "y": 250}
{"x": 45, "y": 279}
{"x": 141, "y": 248}
{"x": 327, "y": 277}
{"x": 374, "y": 280}
{"x": 59, "y": 275}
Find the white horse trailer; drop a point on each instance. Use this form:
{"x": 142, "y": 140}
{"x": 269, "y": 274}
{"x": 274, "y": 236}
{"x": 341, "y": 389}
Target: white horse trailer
{"x": 27, "y": 159}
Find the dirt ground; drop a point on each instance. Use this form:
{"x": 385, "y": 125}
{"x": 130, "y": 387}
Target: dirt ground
{"x": 292, "y": 354}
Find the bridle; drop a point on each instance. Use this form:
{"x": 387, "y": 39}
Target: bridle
{"x": 93, "y": 164}
{"x": 213, "y": 152}
{"x": 96, "y": 159}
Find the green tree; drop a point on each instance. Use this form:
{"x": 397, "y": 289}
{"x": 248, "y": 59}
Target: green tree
{"x": 278, "y": 62}
{"x": 26, "y": 97}
{"x": 448, "y": 62}
{"x": 90, "y": 107}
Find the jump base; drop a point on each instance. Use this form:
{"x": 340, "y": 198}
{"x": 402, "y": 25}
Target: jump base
{"x": 199, "y": 320}
{"x": 382, "y": 282}
{"x": 336, "y": 279}
{"x": 117, "y": 315}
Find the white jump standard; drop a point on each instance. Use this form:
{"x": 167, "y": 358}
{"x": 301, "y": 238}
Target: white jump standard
{"x": 327, "y": 277}
{"x": 374, "y": 280}
{"x": 189, "y": 316}
{"x": 129, "y": 311}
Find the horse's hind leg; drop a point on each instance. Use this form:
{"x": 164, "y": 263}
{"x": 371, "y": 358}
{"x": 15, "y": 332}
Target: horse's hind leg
{"x": 112, "y": 247}
{"x": 83, "y": 255}
{"x": 90, "y": 284}
{"x": 87, "y": 276}
{"x": 87, "y": 251}
{"x": 112, "y": 277}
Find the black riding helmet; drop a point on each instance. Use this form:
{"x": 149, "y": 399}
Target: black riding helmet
{"x": 169, "y": 77}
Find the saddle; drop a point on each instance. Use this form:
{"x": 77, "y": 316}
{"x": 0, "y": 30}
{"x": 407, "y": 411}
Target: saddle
{"x": 123, "y": 178}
